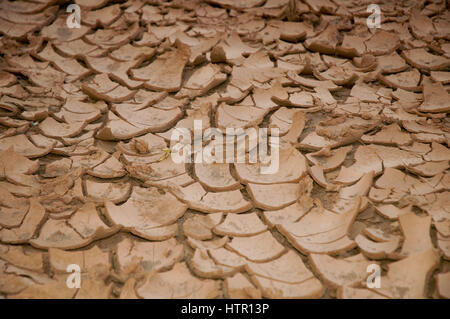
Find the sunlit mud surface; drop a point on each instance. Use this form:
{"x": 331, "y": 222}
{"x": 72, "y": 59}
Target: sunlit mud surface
{"x": 93, "y": 204}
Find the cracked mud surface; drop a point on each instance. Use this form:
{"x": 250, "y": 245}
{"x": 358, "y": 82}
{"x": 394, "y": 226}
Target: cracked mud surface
{"x": 87, "y": 178}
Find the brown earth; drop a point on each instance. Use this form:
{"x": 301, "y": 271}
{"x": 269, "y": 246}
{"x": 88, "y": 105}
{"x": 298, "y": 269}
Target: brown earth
{"x": 87, "y": 176}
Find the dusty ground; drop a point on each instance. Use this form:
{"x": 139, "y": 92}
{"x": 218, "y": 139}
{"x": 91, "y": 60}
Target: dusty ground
{"x": 88, "y": 181}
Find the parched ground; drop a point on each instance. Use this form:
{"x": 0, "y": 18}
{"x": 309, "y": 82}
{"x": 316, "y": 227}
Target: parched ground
{"x": 88, "y": 181}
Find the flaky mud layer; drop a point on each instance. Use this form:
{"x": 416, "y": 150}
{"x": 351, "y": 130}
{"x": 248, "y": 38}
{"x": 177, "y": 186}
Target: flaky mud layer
{"x": 89, "y": 188}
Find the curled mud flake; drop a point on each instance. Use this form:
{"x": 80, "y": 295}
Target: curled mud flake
{"x": 13, "y": 284}
{"x": 352, "y": 46}
{"x": 289, "y": 214}
{"x": 377, "y": 250}
{"x": 416, "y": 231}
{"x": 77, "y": 111}
{"x": 150, "y": 256}
{"x": 177, "y": 283}
{"x": 436, "y": 205}
{"x": 440, "y": 76}
{"x": 58, "y": 234}
{"x": 237, "y": 4}
{"x": 67, "y": 65}
{"x": 391, "y": 211}
{"x": 86, "y": 259}
{"x": 317, "y": 174}
{"x": 347, "y": 194}
{"x": 407, "y": 80}
{"x": 13, "y": 209}
{"x": 129, "y": 52}
{"x": 289, "y": 268}
{"x": 366, "y": 160}
{"x": 118, "y": 129}
{"x": 110, "y": 38}
{"x": 346, "y": 272}
{"x": 30, "y": 224}
{"x": 257, "y": 248}
{"x": 425, "y": 61}
{"x": 117, "y": 94}
{"x": 200, "y": 227}
{"x": 414, "y": 127}
{"x": 165, "y": 73}
{"x": 443, "y": 227}
{"x": 296, "y": 128}
{"x": 435, "y": 98}
{"x": 7, "y": 79}
{"x": 421, "y": 25}
{"x": 338, "y": 75}
{"x": 444, "y": 246}
{"x": 145, "y": 145}
{"x": 321, "y": 231}
{"x": 382, "y": 43}
{"x": 161, "y": 173}
{"x": 240, "y": 225}
{"x": 273, "y": 196}
{"x": 301, "y": 99}
{"x": 23, "y": 258}
{"x": 429, "y": 169}
{"x": 18, "y": 169}
{"x": 378, "y": 235}
{"x": 310, "y": 288}
{"x": 292, "y": 168}
{"x": 56, "y": 289}
{"x": 146, "y": 209}
{"x": 438, "y": 152}
{"x": 207, "y": 244}
{"x": 231, "y": 50}
{"x": 58, "y": 167}
{"x": 239, "y": 287}
{"x": 52, "y": 128}
{"x": 429, "y": 138}
{"x": 226, "y": 257}
{"x": 238, "y": 116}
{"x": 87, "y": 223}
{"x": 216, "y": 176}
{"x": 268, "y": 99}
{"x": 282, "y": 119}
{"x": 397, "y": 181}
{"x": 94, "y": 285}
{"x": 443, "y": 285}
{"x": 330, "y": 161}
{"x": 89, "y": 161}
{"x": 128, "y": 290}
{"x": 91, "y": 4}
{"x": 211, "y": 202}
{"x": 391, "y": 63}
{"x": 201, "y": 81}
{"x": 114, "y": 192}
{"x": 150, "y": 119}
{"x": 111, "y": 168}
{"x": 411, "y": 284}
{"x": 389, "y": 135}
{"x": 102, "y": 17}
{"x": 203, "y": 266}
{"x": 325, "y": 42}
{"x": 345, "y": 292}
{"x": 311, "y": 83}
{"x": 16, "y": 31}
